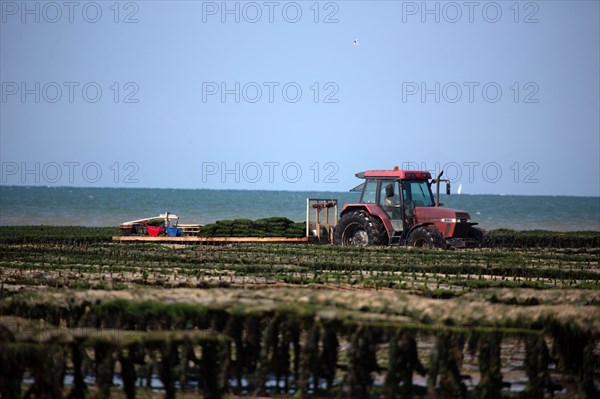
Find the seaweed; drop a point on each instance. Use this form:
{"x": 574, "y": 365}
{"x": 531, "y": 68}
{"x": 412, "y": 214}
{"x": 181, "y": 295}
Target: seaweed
{"x": 490, "y": 385}
{"x": 362, "y": 362}
{"x": 69, "y": 235}
{"x": 403, "y": 362}
{"x": 536, "y": 366}
{"x": 542, "y": 239}
{"x": 268, "y": 227}
{"x": 261, "y": 331}
{"x": 444, "y": 377}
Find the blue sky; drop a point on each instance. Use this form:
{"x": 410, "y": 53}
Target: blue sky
{"x": 504, "y": 96}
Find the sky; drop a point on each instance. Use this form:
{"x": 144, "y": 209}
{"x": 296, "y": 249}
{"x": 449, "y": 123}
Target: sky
{"x": 301, "y": 95}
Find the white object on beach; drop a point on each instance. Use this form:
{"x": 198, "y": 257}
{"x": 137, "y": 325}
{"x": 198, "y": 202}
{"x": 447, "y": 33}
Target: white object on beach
{"x": 168, "y": 218}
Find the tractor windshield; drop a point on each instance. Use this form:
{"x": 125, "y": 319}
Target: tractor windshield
{"x": 417, "y": 191}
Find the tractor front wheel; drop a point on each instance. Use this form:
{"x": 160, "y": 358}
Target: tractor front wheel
{"x": 477, "y": 235}
{"x": 426, "y": 237}
{"x": 358, "y": 228}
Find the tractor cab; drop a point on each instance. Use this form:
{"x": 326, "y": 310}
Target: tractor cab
{"x": 397, "y": 207}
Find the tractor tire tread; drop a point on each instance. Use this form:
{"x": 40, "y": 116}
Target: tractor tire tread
{"x": 371, "y": 224}
{"x": 426, "y": 236}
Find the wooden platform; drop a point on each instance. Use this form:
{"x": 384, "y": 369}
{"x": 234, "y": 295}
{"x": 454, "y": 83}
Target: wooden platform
{"x": 189, "y": 229}
{"x": 199, "y": 240}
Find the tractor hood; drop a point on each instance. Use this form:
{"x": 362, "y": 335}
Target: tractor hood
{"x": 450, "y": 222}
{"x": 425, "y": 214}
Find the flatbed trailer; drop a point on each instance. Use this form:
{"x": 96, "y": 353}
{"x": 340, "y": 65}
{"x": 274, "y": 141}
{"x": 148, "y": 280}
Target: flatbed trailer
{"x": 317, "y": 230}
{"x": 207, "y": 240}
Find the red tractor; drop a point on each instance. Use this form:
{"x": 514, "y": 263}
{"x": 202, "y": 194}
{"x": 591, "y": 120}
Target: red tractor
{"x": 397, "y": 207}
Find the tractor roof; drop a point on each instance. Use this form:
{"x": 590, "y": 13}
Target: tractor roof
{"x": 396, "y": 174}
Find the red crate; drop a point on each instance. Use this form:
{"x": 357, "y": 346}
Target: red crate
{"x": 155, "y": 231}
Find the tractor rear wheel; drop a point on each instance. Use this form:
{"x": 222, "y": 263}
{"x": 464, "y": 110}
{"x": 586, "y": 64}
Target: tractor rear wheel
{"x": 426, "y": 237}
{"x": 358, "y": 228}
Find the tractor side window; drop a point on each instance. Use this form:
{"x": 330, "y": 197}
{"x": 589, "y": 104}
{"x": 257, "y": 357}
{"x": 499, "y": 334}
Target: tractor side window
{"x": 370, "y": 192}
{"x": 389, "y": 195}
{"x": 389, "y": 199}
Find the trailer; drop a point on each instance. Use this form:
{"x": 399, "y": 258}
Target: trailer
{"x": 164, "y": 224}
{"x": 321, "y": 218}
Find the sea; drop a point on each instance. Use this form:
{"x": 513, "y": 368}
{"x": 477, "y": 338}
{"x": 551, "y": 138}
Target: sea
{"x": 78, "y": 206}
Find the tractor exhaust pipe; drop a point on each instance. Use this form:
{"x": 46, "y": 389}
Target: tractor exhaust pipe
{"x": 437, "y": 188}
{"x": 438, "y": 180}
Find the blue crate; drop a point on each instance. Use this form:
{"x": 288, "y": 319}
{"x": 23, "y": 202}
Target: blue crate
{"x": 174, "y": 231}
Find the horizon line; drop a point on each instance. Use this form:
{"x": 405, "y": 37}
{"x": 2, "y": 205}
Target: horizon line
{"x": 278, "y": 190}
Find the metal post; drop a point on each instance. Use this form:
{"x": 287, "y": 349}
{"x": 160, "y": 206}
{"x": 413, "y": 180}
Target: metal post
{"x": 318, "y": 226}
{"x": 307, "y": 216}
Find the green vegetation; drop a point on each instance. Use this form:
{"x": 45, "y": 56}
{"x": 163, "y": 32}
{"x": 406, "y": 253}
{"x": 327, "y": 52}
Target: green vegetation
{"x": 269, "y": 227}
{"x": 543, "y": 239}
{"x": 74, "y": 235}
{"x": 294, "y": 319}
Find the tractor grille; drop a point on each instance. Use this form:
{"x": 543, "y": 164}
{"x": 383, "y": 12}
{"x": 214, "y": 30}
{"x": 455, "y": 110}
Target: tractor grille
{"x": 461, "y": 230}
{"x": 462, "y": 217}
